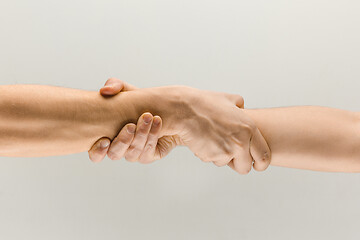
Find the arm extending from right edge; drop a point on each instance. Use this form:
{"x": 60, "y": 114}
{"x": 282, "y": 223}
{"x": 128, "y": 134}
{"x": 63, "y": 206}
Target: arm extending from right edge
{"x": 310, "y": 137}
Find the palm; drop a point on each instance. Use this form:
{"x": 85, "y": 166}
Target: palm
{"x": 165, "y": 144}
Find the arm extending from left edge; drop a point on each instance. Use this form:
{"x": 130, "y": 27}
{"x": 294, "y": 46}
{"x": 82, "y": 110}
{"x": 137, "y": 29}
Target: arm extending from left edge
{"x": 40, "y": 120}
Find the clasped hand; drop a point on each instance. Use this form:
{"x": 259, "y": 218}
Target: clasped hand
{"x": 211, "y": 124}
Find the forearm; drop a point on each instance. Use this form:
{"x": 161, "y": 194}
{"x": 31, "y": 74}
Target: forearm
{"x": 309, "y": 137}
{"x": 37, "y": 120}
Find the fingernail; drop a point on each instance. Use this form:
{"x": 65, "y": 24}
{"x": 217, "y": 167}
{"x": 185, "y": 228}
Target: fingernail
{"x": 131, "y": 129}
{"x": 104, "y": 144}
{"x": 147, "y": 118}
{"x": 156, "y": 121}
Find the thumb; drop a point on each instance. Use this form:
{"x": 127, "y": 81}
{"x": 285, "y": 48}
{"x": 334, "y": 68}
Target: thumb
{"x": 260, "y": 151}
{"x": 99, "y": 150}
{"x": 112, "y": 87}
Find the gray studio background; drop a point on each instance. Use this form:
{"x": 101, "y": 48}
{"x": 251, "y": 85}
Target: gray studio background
{"x": 274, "y": 53}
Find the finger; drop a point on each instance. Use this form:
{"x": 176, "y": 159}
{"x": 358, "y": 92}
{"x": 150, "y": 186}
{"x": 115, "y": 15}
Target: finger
{"x": 122, "y": 142}
{"x": 260, "y": 151}
{"x": 223, "y": 162}
{"x": 147, "y": 156}
{"x": 237, "y": 100}
{"x": 242, "y": 160}
{"x": 113, "y": 86}
{"x": 99, "y": 149}
{"x": 140, "y": 138}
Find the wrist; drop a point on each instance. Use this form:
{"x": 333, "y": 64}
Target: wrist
{"x": 171, "y": 103}
{"x": 101, "y": 116}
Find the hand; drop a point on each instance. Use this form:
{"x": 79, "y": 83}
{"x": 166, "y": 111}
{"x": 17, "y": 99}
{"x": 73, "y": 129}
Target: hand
{"x": 227, "y": 135}
{"x": 212, "y": 124}
{"x": 134, "y": 142}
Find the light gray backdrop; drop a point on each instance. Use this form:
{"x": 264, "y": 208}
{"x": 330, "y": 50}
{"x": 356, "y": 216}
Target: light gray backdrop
{"x": 274, "y": 53}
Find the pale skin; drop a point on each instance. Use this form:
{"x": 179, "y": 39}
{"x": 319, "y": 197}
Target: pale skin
{"x": 37, "y": 120}
{"x": 307, "y": 137}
